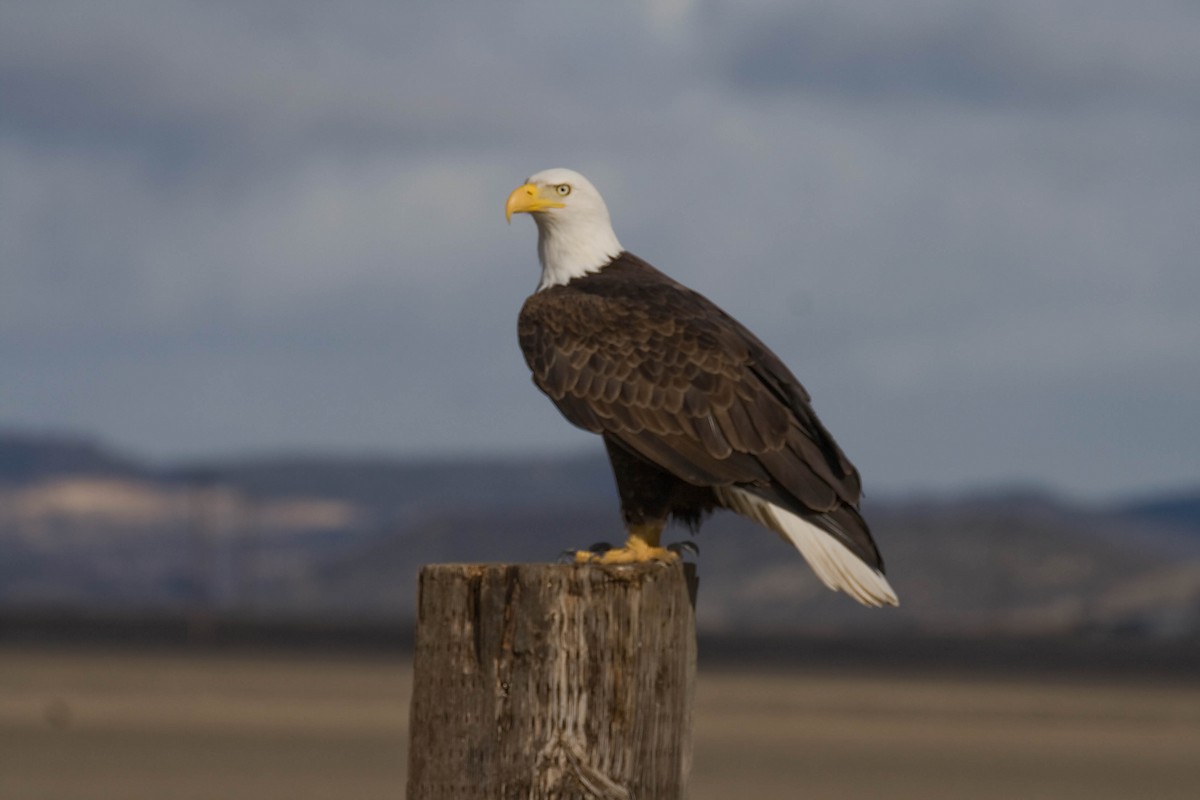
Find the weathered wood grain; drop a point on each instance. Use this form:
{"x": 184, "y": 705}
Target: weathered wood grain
{"x": 553, "y": 681}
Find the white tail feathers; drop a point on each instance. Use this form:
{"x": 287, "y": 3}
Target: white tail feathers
{"x": 834, "y": 564}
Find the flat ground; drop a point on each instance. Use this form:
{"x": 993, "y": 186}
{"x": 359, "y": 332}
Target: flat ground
{"x": 99, "y": 725}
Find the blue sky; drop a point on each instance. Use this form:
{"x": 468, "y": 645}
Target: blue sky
{"x": 969, "y": 227}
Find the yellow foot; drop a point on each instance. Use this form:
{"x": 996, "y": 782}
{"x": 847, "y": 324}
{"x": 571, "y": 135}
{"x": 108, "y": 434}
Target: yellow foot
{"x": 635, "y": 551}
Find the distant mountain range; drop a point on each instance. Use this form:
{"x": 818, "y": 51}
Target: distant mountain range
{"x": 26, "y": 458}
{"x": 84, "y": 527}
{"x": 1180, "y": 510}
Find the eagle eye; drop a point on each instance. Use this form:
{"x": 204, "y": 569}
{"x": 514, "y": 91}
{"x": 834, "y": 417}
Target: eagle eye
{"x": 563, "y": 189}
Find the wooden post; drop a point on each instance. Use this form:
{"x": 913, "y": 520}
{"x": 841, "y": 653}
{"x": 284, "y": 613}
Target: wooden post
{"x": 540, "y": 681}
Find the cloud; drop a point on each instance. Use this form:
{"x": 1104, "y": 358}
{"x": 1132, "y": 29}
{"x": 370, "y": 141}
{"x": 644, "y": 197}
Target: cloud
{"x": 228, "y": 226}
{"x": 1033, "y": 54}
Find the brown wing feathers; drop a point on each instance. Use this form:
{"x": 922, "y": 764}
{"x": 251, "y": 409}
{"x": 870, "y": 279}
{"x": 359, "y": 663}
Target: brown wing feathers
{"x": 630, "y": 353}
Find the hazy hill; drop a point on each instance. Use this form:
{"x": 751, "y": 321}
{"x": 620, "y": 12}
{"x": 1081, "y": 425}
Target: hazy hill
{"x": 80, "y": 527}
{"x": 1180, "y": 509}
{"x": 28, "y": 457}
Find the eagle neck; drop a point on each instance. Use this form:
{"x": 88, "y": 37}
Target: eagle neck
{"x": 570, "y": 249}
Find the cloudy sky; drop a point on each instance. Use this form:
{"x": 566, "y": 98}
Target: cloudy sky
{"x": 970, "y": 227}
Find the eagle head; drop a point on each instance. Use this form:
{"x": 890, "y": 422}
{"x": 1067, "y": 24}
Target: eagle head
{"x": 575, "y": 234}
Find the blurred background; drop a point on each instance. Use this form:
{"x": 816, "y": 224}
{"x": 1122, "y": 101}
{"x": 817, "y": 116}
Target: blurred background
{"x": 258, "y": 363}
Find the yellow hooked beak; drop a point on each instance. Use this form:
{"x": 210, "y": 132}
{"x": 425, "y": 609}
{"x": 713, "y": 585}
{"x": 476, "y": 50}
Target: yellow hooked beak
{"x": 528, "y": 199}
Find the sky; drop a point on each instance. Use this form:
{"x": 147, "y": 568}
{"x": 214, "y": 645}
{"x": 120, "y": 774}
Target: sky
{"x": 970, "y": 228}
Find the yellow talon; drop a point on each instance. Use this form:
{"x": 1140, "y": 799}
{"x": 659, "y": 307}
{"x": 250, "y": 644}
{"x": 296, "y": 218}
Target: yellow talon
{"x": 641, "y": 546}
{"x": 626, "y": 555}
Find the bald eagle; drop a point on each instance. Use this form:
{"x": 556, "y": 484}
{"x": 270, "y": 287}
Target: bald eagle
{"x": 695, "y": 412}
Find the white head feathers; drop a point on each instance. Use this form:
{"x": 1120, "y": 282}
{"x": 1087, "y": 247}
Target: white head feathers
{"x": 575, "y": 235}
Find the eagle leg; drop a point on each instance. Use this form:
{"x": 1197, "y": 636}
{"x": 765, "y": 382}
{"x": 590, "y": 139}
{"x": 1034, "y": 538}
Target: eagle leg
{"x": 641, "y": 546}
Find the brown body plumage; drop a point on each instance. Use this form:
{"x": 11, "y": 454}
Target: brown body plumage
{"x": 687, "y": 400}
